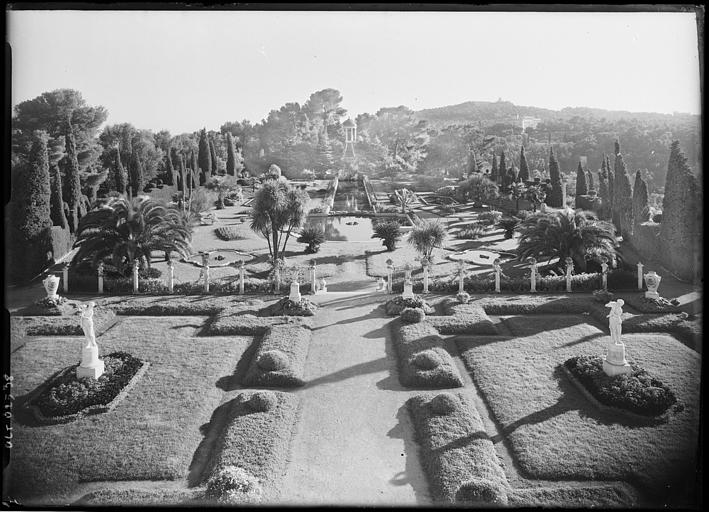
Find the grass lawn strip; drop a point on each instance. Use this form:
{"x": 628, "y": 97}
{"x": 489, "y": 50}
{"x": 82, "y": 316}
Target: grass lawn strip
{"x": 602, "y": 496}
{"x": 555, "y": 433}
{"x": 412, "y": 339}
{"x": 454, "y": 447}
{"x": 256, "y": 441}
{"x": 191, "y": 305}
{"x": 291, "y": 343}
{"x": 151, "y": 435}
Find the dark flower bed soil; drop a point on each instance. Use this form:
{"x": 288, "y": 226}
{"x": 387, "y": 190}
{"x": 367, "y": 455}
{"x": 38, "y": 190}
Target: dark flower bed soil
{"x": 67, "y": 395}
{"x": 637, "y": 392}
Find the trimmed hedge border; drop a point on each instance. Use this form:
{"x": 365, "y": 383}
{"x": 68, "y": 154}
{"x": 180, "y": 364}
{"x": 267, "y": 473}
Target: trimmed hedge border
{"x": 256, "y": 441}
{"x": 231, "y": 322}
{"x": 463, "y": 319}
{"x": 448, "y": 465}
{"x": 87, "y": 411}
{"x": 605, "y": 496}
{"x": 412, "y": 339}
{"x": 67, "y": 325}
{"x": 142, "y": 497}
{"x": 292, "y": 344}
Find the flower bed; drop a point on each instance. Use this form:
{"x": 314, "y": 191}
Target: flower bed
{"x": 235, "y": 322}
{"x": 395, "y": 306}
{"x": 637, "y": 392}
{"x": 287, "y": 307}
{"x": 423, "y": 362}
{"x": 280, "y": 358}
{"x": 458, "y": 473}
{"x": 66, "y": 398}
{"x": 463, "y": 319}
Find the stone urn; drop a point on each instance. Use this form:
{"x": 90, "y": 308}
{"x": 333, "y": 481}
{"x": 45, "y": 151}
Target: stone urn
{"x": 652, "y": 282}
{"x": 51, "y": 285}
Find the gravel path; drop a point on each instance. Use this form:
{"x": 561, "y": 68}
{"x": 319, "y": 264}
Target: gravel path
{"x": 353, "y": 444}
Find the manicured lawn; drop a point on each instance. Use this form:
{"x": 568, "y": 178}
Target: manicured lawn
{"x": 154, "y": 431}
{"x": 555, "y": 432}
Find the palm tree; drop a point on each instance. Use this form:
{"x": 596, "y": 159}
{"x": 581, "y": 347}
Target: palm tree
{"x": 128, "y": 230}
{"x": 427, "y": 236}
{"x": 222, "y": 185}
{"x": 389, "y": 232}
{"x": 579, "y": 235}
{"x": 313, "y": 236}
{"x": 277, "y": 210}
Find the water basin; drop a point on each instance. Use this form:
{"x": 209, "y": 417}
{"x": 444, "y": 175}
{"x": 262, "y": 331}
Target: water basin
{"x": 343, "y": 228}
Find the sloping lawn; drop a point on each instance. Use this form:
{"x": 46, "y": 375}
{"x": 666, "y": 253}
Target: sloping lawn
{"x": 154, "y": 431}
{"x": 556, "y": 433}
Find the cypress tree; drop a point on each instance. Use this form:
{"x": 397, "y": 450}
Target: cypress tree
{"x": 33, "y": 193}
{"x": 169, "y": 168}
{"x": 55, "y": 152}
{"x": 494, "y": 173}
{"x": 620, "y": 192}
{"x": 626, "y": 206}
{"x": 136, "y": 174}
{"x": 640, "y": 200}
{"x": 73, "y": 182}
{"x": 589, "y": 181}
{"x": 523, "y": 166}
{"x": 182, "y": 176}
{"x": 204, "y": 161}
{"x": 604, "y": 168}
{"x": 120, "y": 174}
{"x": 581, "y": 185}
{"x": 605, "y": 197}
{"x": 555, "y": 197}
{"x": 472, "y": 163}
{"x": 192, "y": 177}
{"x": 611, "y": 189}
{"x": 230, "y": 158}
{"x": 213, "y": 155}
{"x": 504, "y": 179}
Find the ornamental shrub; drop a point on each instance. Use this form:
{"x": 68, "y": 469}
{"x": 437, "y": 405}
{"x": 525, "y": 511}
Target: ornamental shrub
{"x": 273, "y": 361}
{"x": 263, "y": 401}
{"x": 413, "y": 315}
{"x": 481, "y": 491}
{"x": 396, "y": 305}
{"x": 232, "y": 484}
{"x": 463, "y": 297}
{"x": 491, "y": 217}
{"x": 229, "y": 233}
{"x": 427, "y": 360}
{"x": 445, "y": 403}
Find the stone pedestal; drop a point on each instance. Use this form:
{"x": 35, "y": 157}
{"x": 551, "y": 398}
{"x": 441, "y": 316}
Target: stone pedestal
{"x": 51, "y": 285}
{"x": 380, "y": 284}
{"x": 615, "y": 363}
{"x": 91, "y": 365}
{"x": 294, "y": 292}
{"x": 323, "y": 286}
{"x": 408, "y": 290}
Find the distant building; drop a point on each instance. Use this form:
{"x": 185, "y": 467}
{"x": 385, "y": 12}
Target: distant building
{"x": 529, "y": 122}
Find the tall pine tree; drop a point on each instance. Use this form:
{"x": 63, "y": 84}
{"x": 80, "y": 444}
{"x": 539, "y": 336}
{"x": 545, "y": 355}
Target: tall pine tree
{"x": 55, "y": 152}
{"x": 204, "y": 159}
{"x": 73, "y": 183}
{"x": 604, "y": 195}
{"x": 589, "y": 181}
{"x": 555, "y": 198}
{"x": 581, "y": 185}
{"x": 523, "y": 166}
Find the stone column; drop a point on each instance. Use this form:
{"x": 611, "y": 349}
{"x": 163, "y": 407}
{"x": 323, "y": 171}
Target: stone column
{"x": 533, "y": 276}
{"x": 241, "y": 277}
{"x": 135, "y": 275}
{"x": 425, "y": 263}
{"x": 65, "y": 278}
{"x": 100, "y": 277}
{"x": 277, "y": 279}
{"x": 205, "y": 263}
{"x": 496, "y": 266}
{"x": 390, "y": 276}
{"x": 604, "y": 275}
{"x": 569, "y": 271}
{"x": 313, "y": 281}
{"x": 461, "y": 277}
{"x": 640, "y": 276}
{"x": 170, "y": 276}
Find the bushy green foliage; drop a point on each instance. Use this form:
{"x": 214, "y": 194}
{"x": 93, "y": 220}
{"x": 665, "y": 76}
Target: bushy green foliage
{"x": 69, "y": 395}
{"x": 263, "y": 401}
{"x": 555, "y": 196}
{"x": 125, "y": 230}
{"x": 478, "y": 188}
{"x": 445, "y": 403}
{"x": 233, "y": 485}
{"x": 396, "y": 305}
{"x": 426, "y": 360}
{"x": 389, "y": 232}
{"x": 73, "y": 183}
{"x": 313, "y": 237}
{"x": 426, "y": 236}
{"x": 31, "y": 193}
{"x": 222, "y": 185}
{"x": 637, "y": 392}
{"x": 56, "y": 207}
{"x": 229, "y": 233}
{"x": 413, "y": 315}
{"x": 481, "y": 491}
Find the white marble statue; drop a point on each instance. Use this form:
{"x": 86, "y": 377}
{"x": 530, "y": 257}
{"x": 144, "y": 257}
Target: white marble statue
{"x": 87, "y": 323}
{"x": 615, "y": 319}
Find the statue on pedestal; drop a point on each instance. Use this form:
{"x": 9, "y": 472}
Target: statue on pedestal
{"x": 615, "y": 362}
{"x": 87, "y": 323}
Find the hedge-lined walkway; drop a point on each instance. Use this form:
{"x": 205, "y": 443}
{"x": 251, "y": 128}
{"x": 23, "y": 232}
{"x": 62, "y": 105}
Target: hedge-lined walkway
{"x": 354, "y": 442}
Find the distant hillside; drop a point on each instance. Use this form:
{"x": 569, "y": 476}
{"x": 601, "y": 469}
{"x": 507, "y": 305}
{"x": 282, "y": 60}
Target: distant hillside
{"x": 489, "y": 112}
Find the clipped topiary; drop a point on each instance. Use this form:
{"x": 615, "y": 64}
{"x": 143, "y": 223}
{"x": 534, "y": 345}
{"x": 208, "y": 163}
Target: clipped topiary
{"x": 480, "y": 491}
{"x": 272, "y": 361}
{"x": 232, "y": 484}
{"x": 463, "y": 297}
{"x": 396, "y": 305}
{"x": 427, "y": 360}
{"x": 445, "y": 403}
{"x": 413, "y": 315}
{"x": 263, "y": 401}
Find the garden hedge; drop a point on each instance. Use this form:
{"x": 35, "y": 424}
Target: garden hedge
{"x": 280, "y": 358}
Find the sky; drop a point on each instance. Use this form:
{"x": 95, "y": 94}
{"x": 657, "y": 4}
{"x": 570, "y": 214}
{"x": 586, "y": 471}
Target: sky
{"x": 184, "y": 70}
